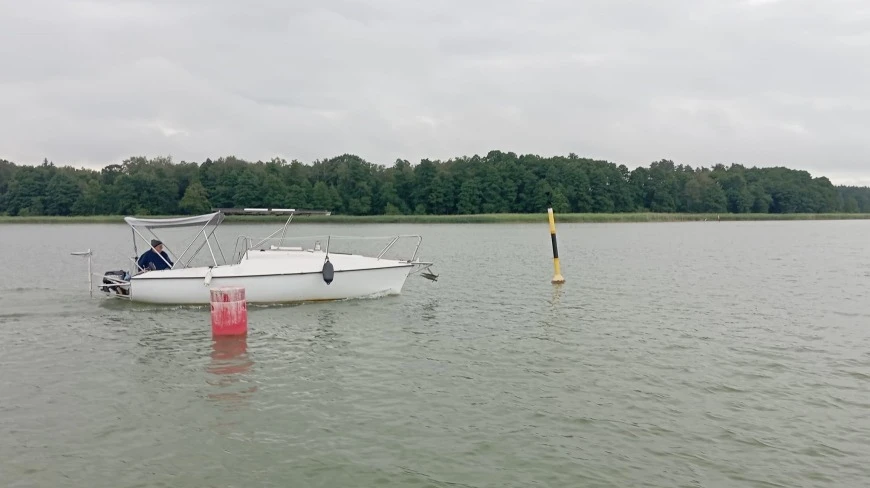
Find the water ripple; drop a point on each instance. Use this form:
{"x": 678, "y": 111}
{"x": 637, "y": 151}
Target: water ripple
{"x": 674, "y": 356}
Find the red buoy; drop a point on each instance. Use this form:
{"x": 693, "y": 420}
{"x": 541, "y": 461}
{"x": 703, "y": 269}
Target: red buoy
{"x": 229, "y": 311}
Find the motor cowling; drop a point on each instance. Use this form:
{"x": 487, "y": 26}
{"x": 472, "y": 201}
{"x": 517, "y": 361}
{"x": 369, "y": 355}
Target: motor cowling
{"x": 111, "y": 278}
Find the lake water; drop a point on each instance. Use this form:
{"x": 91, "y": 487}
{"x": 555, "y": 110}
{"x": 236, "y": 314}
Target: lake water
{"x": 675, "y": 355}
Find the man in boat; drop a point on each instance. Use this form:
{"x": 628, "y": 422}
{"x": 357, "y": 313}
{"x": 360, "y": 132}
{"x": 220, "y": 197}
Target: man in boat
{"x": 153, "y": 259}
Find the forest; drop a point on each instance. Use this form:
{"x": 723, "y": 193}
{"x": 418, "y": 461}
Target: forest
{"x": 498, "y": 182}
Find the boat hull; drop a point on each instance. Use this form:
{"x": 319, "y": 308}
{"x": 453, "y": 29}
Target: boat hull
{"x": 284, "y": 279}
{"x": 274, "y": 288}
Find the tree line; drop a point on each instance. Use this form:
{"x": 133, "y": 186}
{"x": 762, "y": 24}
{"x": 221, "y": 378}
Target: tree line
{"x": 498, "y": 182}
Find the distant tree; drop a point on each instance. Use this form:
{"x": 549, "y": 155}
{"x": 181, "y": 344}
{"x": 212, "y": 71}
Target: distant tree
{"x": 492, "y": 183}
{"x": 195, "y": 200}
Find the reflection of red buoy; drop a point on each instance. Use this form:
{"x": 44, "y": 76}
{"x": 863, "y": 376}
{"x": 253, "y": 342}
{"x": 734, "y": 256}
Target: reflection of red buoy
{"x": 229, "y": 355}
{"x": 230, "y": 364}
{"x": 229, "y": 311}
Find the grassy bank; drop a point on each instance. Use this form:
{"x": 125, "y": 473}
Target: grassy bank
{"x": 454, "y": 219}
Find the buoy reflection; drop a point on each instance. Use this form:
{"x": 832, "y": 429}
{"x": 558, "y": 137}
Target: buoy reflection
{"x": 229, "y": 366}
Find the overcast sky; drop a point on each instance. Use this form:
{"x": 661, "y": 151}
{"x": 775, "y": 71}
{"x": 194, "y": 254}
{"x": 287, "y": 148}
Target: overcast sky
{"x": 759, "y": 82}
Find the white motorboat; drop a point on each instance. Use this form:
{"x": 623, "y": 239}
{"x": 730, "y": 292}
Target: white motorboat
{"x": 269, "y": 270}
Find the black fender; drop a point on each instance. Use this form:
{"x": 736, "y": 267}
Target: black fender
{"x": 328, "y": 272}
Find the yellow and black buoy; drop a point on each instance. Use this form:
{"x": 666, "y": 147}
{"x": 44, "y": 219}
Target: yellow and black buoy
{"x": 557, "y": 275}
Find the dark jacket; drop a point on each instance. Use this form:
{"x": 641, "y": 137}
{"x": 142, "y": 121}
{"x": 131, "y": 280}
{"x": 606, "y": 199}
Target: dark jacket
{"x": 150, "y": 257}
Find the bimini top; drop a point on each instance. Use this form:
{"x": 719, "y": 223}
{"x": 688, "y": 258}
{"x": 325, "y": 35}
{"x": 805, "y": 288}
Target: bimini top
{"x": 213, "y": 218}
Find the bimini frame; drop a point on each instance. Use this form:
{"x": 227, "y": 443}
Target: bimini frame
{"x": 209, "y": 222}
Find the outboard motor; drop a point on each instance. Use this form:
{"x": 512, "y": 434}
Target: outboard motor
{"x": 111, "y": 278}
{"x": 328, "y": 272}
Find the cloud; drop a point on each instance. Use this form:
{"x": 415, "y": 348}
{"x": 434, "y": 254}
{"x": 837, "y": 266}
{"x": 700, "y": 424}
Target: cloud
{"x": 698, "y": 81}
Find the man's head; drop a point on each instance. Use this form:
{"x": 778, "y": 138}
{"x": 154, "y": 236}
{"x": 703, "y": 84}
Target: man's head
{"x": 157, "y": 245}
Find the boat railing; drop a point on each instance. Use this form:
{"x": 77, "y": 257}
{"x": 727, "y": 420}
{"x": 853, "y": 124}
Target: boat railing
{"x": 335, "y": 244}
{"x": 237, "y": 252}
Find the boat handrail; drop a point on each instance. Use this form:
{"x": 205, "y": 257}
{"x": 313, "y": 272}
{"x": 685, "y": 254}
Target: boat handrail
{"x": 237, "y": 253}
{"x": 317, "y": 239}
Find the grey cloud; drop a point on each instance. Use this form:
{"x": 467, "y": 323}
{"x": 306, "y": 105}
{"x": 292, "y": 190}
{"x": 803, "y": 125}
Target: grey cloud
{"x": 698, "y": 81}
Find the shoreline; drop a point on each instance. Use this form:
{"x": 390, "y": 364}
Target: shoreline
{"x": 463, "y": 219}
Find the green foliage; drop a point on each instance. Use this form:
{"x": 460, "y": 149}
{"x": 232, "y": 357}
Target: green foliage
{"x": 495, "y": 183}
{"x": 195, "y": 200}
